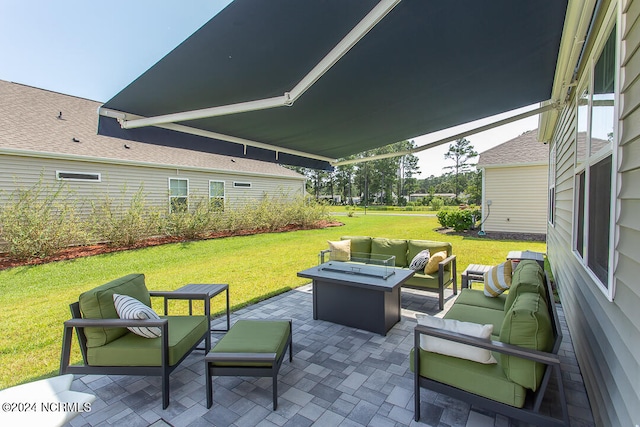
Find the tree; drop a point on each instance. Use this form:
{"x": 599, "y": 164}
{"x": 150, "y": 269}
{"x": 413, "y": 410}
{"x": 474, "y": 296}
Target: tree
{"x": 460, "y": 152}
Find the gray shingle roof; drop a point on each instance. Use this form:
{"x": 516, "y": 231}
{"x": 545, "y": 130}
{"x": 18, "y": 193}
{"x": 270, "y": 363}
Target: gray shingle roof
{"x": 29, "y": 120}
{"x": 523, "y": 149}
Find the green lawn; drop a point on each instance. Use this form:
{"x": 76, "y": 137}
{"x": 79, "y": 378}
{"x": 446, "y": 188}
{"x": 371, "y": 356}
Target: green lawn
{"x": 34, "y": 301}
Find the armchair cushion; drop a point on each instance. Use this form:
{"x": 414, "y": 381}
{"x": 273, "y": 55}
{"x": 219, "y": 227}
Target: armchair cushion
{"x": 134, "y": 350}
{"x": 97, "y": 303}
{"x": 132, "y": 309}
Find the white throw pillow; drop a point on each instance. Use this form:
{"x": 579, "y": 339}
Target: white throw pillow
{"x": 131, "y": 308}
{"x": 451, "y": 348}
{"x": 420, "y": 260}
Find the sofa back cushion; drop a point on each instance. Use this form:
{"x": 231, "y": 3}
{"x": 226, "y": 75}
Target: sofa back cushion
{"x": 359, "y": 244}
{"x": 391, "y": 247}
{"x": 528, "y": 277}
{"x": 416, "y": 246}
{"x": 527, "y": 324}
{"x": 97, "y": 303}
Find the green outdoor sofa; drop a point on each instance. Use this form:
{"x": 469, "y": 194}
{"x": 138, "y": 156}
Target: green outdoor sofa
{"x": 524, "y": 342}
{"x": 109, "y": 348}
{"x": 405, "y": 250}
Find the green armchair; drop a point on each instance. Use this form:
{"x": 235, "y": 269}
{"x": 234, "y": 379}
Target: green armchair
{"x": 108, "y": 347}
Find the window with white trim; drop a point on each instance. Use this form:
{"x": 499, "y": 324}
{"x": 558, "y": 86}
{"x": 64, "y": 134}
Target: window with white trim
{"x": 178, "y": 194}
{"x": 216, "y": 195}
{"x": 595, "y": 136}
{"x": 78, "y": 176}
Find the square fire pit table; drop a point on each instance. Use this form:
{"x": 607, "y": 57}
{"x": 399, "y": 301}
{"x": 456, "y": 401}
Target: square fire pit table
{"x": 362, "y": 296}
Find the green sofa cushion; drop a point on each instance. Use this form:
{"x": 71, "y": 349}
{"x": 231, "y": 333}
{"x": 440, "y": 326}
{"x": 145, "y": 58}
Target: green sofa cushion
{"x": 527, "y": 277}
{"x": 391, "y": 247}
{"x": 485, "y": 380}
{"x": 359, "y": 244}
{"x": 97, "y": 303}
{"x": 134, "y": 350}
{"x": 526, "y": 324}
{"x": 415, "y": 246}
{"x": 429, "y": 281}
{"x": 481, "y": 315}
{"x": 477, "y": 298}
{"x": 254, "y": 336}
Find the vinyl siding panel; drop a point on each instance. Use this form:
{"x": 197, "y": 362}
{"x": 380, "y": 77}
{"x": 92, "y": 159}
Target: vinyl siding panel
{"x": 606, "y": 335}
{"x": 518, "y": 199}
{"x": 122, "y": 181}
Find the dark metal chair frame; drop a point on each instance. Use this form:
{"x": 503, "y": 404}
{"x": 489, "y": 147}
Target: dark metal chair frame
{"x": 248, "y": 371}
{"x": 164, "y": 370}
{"x": 451, "y": 259}
{"x": 530, "y": 413}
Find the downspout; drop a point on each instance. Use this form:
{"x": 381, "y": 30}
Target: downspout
{"x": 484, "y": 203}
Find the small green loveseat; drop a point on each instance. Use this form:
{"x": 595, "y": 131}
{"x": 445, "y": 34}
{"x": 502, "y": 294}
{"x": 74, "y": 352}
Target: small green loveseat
{"x": 525, "y": 342}
{"x": 405, "y": 250}
{"x": 108, "y": 347}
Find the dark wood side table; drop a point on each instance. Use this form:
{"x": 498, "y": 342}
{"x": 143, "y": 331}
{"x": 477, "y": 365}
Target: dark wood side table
{"x": 205, "y": 292}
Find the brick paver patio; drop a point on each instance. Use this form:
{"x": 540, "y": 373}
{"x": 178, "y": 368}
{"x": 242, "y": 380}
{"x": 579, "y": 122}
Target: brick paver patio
{"x": 339, "y": 376}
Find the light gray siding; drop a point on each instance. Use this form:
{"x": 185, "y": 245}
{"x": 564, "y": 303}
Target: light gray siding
{"x": 606, "y": 335}
{"x": 518, "y": 199}
{"x": 121, "y": 178}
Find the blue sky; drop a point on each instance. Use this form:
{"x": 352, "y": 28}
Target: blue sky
{"x": 93, "y": 49}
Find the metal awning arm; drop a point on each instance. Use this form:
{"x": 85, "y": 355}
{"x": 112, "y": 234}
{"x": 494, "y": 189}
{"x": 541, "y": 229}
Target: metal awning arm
{"x": 288, "y": 98}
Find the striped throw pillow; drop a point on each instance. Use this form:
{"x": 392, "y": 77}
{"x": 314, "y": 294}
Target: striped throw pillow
{"x": 420, "y": 260}
{"x": 497, "y": 279}
{"x": 131, "y": 308}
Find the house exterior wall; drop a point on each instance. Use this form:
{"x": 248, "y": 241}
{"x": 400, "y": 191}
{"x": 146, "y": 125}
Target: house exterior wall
{"x": 22, "y": 171}
{"x": 518, "y": 199}
{"x": 605, "y": 334}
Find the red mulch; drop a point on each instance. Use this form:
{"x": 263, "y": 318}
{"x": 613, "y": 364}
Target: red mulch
{"x": 83, "y": 251}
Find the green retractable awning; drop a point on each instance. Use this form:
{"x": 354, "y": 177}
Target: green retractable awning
{"x": 308, "y": 82}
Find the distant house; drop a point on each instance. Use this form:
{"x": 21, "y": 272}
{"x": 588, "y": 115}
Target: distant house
{"x": 514, "y": 185}
{"x": 51, "y": 136}
{"x": 414, "y": 197}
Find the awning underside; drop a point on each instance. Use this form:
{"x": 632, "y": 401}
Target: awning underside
{"x": 424, "y": 67}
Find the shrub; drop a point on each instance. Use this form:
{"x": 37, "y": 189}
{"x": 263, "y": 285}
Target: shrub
{"x": 195, "y": 223}
{"x": 460, "y": 220}
{"x": 442, "y": 216}
{"x": 436, "y": 204}
{"x": 39, "y": 221}
{"x": 119, "y": 224}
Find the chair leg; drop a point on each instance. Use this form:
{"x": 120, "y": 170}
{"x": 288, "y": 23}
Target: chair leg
{"x": 275, "y": 388}
{"x": 165, "y": 388}
{"x": 209, "y": 386}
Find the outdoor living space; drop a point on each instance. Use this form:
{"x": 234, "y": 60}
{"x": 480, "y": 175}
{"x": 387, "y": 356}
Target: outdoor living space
{"x": 339, "y": 376}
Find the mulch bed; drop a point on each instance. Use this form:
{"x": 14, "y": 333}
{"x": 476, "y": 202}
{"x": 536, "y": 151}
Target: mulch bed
{"x": 494, "y": 235}
{"x": 83, "y": 251}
